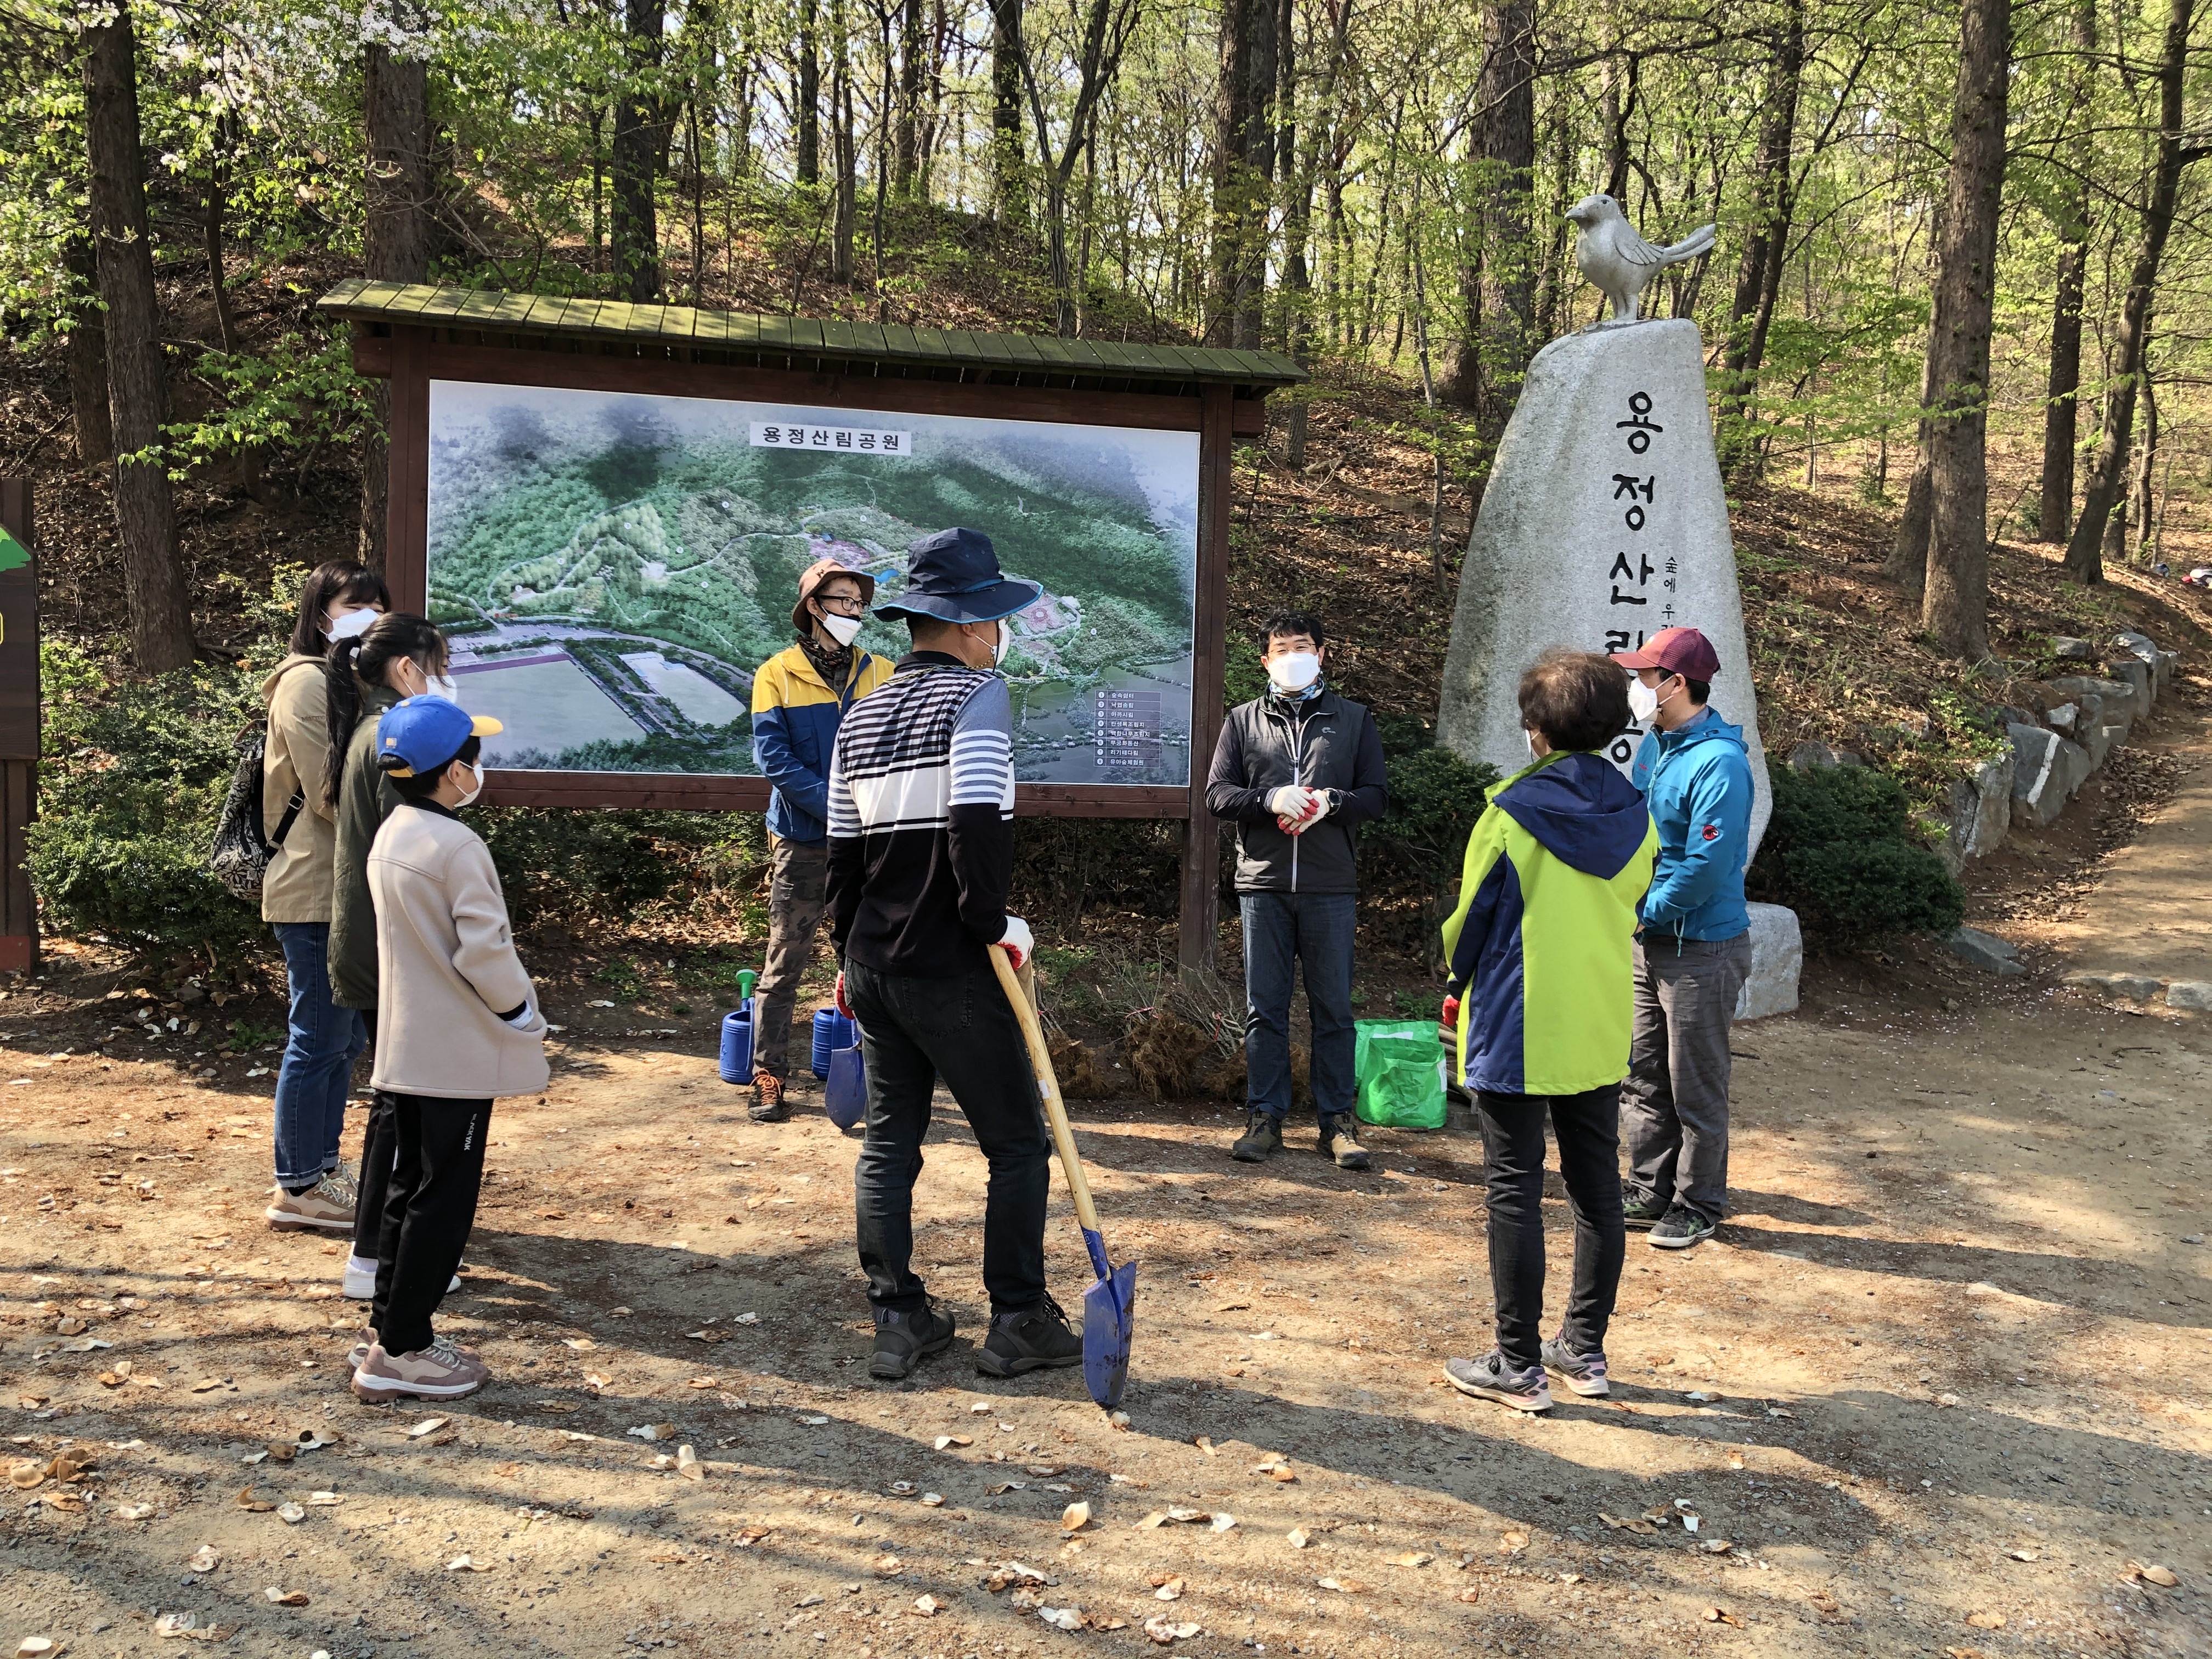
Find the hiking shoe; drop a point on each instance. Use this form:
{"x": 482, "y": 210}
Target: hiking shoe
{"x": 1340, "y": 1139}
{"x": 1261, "y": 1139}
{"x": 359, "y": 1353}
{"x": 1029, "y": 1341}
{"x": 441, "y": 1372}
{"x": 905, "y": 1338}
{"x": 359, "y": 1282}
{"x": 1681, "y": 1228}
{"x": 769, "y": 1104}
{"x": 1491, "y": 1378}
{"x": 1583, "y": 1373}
{"x": 327, "y": 1206}
{"x": 1642, "y": 1212}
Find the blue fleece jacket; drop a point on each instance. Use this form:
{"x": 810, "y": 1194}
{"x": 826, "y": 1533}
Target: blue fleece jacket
{"x": 1697, "y": 780}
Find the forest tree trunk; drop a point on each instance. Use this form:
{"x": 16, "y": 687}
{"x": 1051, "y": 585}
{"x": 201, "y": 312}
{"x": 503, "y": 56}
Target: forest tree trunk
{"x": 160, "y": 612}
{"x": 912, "y": 62}
{"x": 1010, "y": 202}
{"x": 1498, "y": 285}
{"x": 2107, "y": 477}
{"x": 845, "y": 208}
{"x": 395, "y": 242}
{"x": 637, "y": 148}
{"x": 2062, "y": 411}
{"x": 1244, "y": 166}
{"x": 1955, "y": 603}
{"x": 88, "y": 355}
{"x": 808, "y": 160}
{"x": 1759, "y": 274}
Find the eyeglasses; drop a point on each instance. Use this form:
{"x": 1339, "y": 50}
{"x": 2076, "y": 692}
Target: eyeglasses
{"x": 851, "y": 604}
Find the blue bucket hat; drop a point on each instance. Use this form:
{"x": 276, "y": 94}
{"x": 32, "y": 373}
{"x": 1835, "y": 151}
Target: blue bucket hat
{"x": 954, "y": 576}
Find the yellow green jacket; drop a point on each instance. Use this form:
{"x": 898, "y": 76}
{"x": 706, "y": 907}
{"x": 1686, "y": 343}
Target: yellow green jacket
{"x": 1539, "y": 945}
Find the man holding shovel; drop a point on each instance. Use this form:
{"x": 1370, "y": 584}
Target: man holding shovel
{"x": 921, "y": 803}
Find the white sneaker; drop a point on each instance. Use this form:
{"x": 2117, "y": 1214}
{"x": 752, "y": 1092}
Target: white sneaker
{"x": 360, "y": 1283}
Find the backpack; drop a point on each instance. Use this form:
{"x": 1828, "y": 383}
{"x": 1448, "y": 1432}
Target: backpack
{"x": 242, "y": 850}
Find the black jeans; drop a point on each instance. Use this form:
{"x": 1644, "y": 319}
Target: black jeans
{"x": 914, "y": 1031}
{"x": 1587, "y": 1127}
{"x": 429, "y": 1210}
{"x": 378, "y": 1148}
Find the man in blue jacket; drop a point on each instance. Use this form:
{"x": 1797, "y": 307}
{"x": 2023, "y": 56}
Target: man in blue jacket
{"x": 1693, "y": 945}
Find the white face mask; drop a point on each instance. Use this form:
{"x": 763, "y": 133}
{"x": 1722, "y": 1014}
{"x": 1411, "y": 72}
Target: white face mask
{"x": 1005, "y": 644}
{"x": 843, "y": 629}
{"x": 1643, "y": 701}
{"x": 441, "y": 686}
{"x": 476, "y": 767}
{"x": 354, "y": 623}
{"x": 1529, "y": 737}
{"x": 1293, "y": 671}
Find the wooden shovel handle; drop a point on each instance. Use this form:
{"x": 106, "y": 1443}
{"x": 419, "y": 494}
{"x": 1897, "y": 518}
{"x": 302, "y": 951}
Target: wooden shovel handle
{"x": 1056, "y": 1111}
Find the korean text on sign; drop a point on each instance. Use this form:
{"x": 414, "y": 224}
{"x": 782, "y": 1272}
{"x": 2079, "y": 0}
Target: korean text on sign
{"x": 834, "y": 439}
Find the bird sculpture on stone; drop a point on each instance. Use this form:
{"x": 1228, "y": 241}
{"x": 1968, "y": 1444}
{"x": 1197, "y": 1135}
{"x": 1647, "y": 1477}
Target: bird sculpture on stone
{"x": 1620, "y": 262}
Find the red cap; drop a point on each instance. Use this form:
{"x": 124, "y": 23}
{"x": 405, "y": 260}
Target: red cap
{"x": 1681, "y": 651}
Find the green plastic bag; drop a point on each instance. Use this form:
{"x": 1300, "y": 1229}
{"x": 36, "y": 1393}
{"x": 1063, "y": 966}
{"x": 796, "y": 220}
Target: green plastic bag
{"x": 1400, "y": 1068}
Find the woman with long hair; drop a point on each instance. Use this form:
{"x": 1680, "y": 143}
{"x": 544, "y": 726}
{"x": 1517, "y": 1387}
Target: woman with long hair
{"x": 399, "y": 656}
{"x": 313, "y": 1191}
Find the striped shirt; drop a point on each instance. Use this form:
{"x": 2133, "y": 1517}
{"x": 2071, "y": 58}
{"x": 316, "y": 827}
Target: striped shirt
{"x": 921, "y": 808}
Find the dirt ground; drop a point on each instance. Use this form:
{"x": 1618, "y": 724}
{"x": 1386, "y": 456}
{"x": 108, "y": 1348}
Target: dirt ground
{"x": 1938, "y": 1388}
{"x": 1948, "y": 1365}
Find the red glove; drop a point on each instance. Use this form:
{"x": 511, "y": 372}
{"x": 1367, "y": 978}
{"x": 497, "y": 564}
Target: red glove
{"x": 844, "y": 1006}
{"x": 1447, "y": 1023}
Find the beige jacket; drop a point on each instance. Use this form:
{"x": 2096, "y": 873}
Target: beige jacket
{"x": 297, "y": 885}
{"x": 446, "y": 966}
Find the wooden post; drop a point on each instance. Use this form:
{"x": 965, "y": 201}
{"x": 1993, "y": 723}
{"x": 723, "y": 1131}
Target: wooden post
{"x": 1202, "y": 840}
{"x": 19, "y": 725}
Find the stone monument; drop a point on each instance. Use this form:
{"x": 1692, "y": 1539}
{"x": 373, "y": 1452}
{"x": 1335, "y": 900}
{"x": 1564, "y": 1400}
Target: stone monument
{"x": 1604, "y": 522}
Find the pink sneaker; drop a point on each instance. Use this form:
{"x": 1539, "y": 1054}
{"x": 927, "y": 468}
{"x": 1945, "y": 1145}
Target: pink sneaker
{"x": 441, "y": 1372}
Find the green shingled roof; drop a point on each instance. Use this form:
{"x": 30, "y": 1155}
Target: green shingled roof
{"x": 1036, "y": 359}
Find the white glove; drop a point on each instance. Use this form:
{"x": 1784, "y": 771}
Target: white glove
{"x": 1018, "y": 941}
{"x": 521, "y": 1021}
{"x": 1292, "y": 801}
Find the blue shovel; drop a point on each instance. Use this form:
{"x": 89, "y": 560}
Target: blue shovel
{"x": 1110, "y": 1306}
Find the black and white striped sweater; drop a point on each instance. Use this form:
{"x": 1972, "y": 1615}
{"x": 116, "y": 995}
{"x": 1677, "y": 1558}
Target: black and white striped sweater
{"x": 921, "y": 810}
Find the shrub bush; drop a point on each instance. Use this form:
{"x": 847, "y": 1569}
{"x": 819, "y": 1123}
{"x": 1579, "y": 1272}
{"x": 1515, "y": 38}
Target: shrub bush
{"x": 1839, "y": 850}
{"x": 132, "y": 776}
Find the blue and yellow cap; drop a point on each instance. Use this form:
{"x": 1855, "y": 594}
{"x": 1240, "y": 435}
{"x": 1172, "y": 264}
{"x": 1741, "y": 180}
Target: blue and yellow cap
{"x": 424, "y": 734}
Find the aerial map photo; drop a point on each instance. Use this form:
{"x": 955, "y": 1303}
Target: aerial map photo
{"x": 612, "y": 567}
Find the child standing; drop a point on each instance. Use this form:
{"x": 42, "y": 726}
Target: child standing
{"x": 458, "y": 1026}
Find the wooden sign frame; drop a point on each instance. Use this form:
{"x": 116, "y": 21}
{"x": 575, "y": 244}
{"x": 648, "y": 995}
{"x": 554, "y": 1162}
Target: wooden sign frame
{"x": 411, "y": 357}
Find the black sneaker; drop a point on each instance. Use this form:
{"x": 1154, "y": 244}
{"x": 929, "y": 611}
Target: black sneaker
{"x": 1028, "y": 1341}
{"x": 905, "y": 1338}
{"x": 1491, "y": 1378}
{"x": 1340, "y": 1139}
{"x": 1261, "y": 1140}
{"x": 1642, "y": 1212}
{"x": 1583, "y": 1373}
{"x": 1681, "y": 1228}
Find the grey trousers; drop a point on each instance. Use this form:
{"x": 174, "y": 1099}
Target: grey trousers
{"x": 1675, "y": 1104}
{"x": 799, "y": 876}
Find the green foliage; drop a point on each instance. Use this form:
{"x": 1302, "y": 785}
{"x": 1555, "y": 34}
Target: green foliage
{"x": 1435, "y": 798}
{"x": 133, "y": 775}
{"x": 571, "y": 868}
{"x": 302, "y": 396}
{"x": 1839, "y": 850}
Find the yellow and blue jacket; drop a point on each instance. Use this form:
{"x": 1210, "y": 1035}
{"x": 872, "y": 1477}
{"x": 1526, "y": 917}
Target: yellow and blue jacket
{"x": 1539, "y": 946}
{"x": 795, "y": 716}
